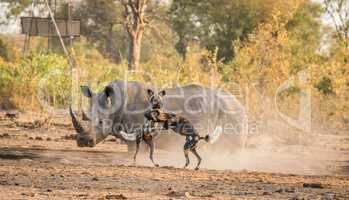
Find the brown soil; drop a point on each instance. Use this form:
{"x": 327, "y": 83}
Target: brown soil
{"x": 45, "y": 163}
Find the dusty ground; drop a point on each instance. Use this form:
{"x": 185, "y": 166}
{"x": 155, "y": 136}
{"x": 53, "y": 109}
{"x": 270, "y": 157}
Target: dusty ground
{"x": 44, "y": 163}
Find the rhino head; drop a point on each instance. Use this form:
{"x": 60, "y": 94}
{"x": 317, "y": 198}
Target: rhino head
{"x": 97, "y": 126}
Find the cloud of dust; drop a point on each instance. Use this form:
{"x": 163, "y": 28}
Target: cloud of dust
{"x": 264, "y": 153}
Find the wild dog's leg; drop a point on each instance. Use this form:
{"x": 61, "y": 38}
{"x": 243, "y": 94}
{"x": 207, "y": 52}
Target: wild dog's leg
{"x": 186, "y": 149}
{"x": 138, "y": 141}
{"x": 186, "y": 154}
{"x": 197, "y": 156}
{"x": 150, "y": 143}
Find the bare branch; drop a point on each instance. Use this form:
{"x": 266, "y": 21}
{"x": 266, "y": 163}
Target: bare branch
{"x": 338, "y": 11}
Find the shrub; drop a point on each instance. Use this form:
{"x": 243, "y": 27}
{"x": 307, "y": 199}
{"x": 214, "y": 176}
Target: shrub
{"x": 22, "y": 81}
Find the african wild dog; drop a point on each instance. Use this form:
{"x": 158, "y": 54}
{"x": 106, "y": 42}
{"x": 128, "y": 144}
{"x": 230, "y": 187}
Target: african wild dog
{"x": 147, "y": 132}
{"x": 178, "y": 124}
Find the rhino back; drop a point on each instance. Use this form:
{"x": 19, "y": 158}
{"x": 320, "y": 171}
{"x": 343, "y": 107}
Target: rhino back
{"x": 206, "y": 107}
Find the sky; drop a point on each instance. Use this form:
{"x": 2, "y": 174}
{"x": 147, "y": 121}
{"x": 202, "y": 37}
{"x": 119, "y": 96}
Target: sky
{"x": 12, "y": 27}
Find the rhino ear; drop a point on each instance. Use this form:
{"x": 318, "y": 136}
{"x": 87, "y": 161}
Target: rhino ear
{"x": 162, "y": 93}
{"x": 86, "y": 91}
{"x": 109, "y": 91}
{"x": 150, "y": 92}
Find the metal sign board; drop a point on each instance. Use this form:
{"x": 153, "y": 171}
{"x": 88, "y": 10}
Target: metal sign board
{"x": 37, "y": 26}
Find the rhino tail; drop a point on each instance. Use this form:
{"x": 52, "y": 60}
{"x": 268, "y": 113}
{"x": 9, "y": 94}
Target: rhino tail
{"x": 128, "y": 136}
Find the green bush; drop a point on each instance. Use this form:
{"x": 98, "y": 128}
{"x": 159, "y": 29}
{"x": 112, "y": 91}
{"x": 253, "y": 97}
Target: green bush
{"x": 325, "y": 86}
{"x": 7, "y": 53}
{"x": 21, "y": 82}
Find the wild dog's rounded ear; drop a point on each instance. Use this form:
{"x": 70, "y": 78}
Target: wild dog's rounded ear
{"x": 150, "y": 92}
{"x": 109, "y": 91}
{"x": 162, "y": 93}
{"x": 86, "y": 91}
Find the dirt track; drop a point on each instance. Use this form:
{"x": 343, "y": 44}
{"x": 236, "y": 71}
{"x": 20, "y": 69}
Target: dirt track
{"x": 45, "y": 163}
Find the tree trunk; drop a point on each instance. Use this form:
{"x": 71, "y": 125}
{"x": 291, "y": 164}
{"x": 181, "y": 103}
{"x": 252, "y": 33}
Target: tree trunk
{"x": 109, "y": 41}
{"x": 134, "y": 49}
{"x": 134, "y": 24}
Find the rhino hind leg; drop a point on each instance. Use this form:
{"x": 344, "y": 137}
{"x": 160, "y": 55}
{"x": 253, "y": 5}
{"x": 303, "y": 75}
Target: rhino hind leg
{"x": 131, "y": 146}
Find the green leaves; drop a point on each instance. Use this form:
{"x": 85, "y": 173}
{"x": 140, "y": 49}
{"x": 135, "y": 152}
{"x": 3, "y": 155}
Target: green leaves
{"x": 24, "y": 78}
{"x": 217, "y": 23}
{"x": 15, "y": 8}
{"x": 325, "y": 86}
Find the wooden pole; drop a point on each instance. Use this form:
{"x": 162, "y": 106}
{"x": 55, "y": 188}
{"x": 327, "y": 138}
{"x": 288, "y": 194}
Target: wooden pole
{"x": 49, "y": 39}
{"x": 28, "y": 36}
{"x": 74, "y": 72}
{"x": 69, "y": 18}
{"x": 71, "y": 60}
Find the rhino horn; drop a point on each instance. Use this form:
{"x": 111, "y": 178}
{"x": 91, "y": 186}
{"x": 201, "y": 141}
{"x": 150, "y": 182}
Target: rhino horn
{"x": 76, "y": 123}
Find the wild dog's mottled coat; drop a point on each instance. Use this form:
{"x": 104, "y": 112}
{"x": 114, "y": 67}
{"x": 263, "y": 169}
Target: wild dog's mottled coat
{"x": 178, "y": 124}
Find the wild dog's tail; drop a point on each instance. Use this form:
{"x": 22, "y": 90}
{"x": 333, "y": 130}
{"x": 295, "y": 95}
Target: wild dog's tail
{"x": 206, "y": 138}
{"x": 213, "y": 136}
